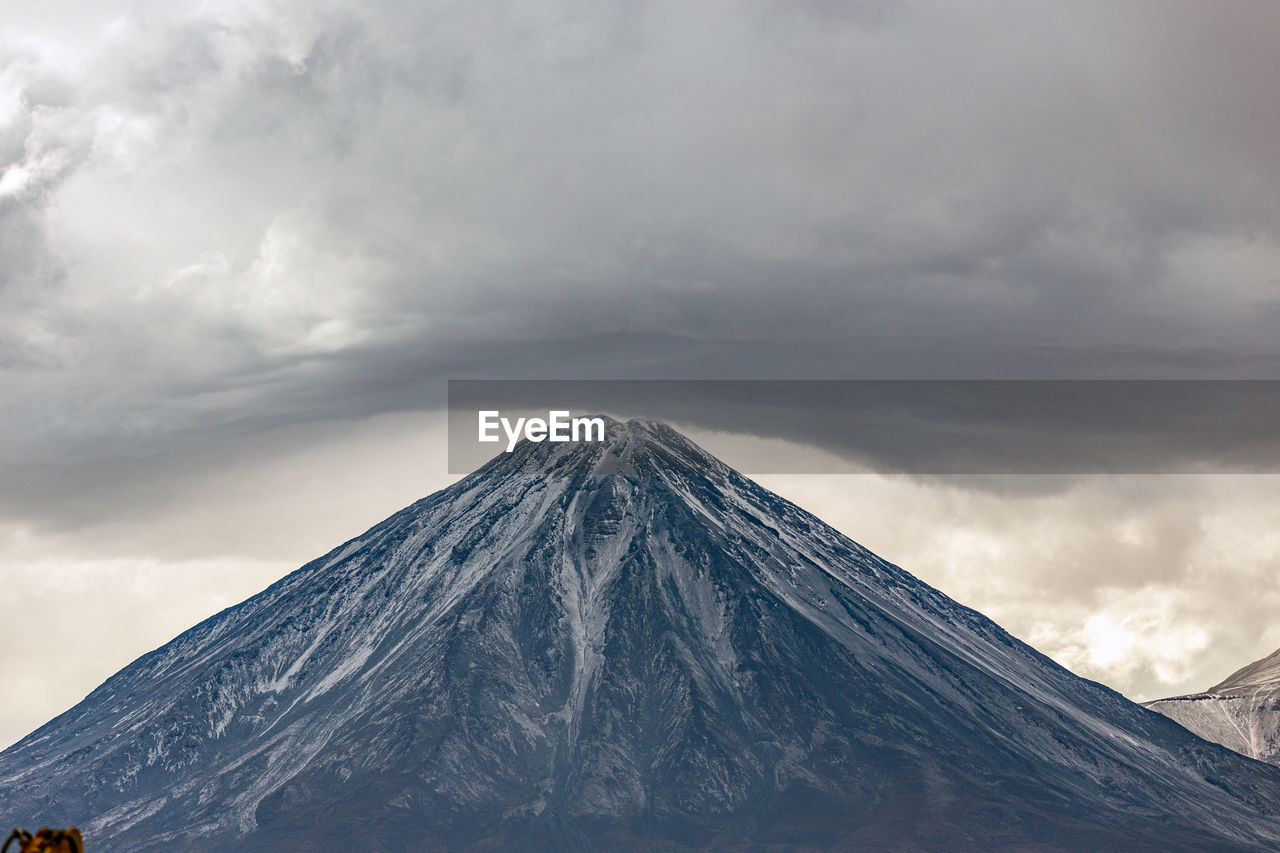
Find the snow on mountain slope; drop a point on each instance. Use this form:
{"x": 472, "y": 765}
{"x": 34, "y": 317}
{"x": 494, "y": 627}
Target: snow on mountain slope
{"x": 1242, "y": 713}
{"x": 623, "y": 645}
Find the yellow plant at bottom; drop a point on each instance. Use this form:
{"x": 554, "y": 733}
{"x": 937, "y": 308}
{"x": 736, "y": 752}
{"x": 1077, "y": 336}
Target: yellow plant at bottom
{"x": 46, "y": 841}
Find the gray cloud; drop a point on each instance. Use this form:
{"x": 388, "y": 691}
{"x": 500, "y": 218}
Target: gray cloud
{"x": 254, "y": 198}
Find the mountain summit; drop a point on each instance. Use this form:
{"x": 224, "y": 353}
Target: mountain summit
{"x": 619, "y": 646}
{"x": 1241, "y": 713}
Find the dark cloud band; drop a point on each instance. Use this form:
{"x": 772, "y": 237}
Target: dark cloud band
{"x": 930, "y": 427}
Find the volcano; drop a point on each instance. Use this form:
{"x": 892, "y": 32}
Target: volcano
{"x": 622, "y": 645}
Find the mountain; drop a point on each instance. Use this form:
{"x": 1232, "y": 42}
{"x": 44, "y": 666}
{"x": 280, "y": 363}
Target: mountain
{"x": 1241, "y": 713}
{"x": 619, "y": 646}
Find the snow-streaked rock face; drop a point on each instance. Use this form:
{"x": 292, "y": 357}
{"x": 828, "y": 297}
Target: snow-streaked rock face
{"x": 1241, "y": 713}
{"x": 619, "y": 646}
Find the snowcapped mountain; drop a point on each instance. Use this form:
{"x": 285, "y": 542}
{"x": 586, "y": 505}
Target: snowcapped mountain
{"x": 619, "y": 646}
{"x": 1241, "y": 713}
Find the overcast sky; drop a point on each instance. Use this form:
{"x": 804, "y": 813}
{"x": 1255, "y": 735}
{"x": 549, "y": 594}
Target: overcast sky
{"x": 243, "y": 244}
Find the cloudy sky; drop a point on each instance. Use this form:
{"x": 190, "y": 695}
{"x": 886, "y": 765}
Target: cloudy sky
{"x": 243, "y": 244}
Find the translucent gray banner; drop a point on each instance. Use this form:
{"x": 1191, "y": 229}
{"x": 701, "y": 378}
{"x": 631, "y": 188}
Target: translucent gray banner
{"x": 942, "y": 427}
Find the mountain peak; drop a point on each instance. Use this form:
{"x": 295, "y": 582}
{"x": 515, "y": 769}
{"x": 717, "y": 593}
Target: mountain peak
{"x": 635, "y": 449}
{"x": 619, "y": 645}
{"x": 622, "y": 440}
{"x": 1264, "y": 673}
{"x": 1242, "y": 712}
